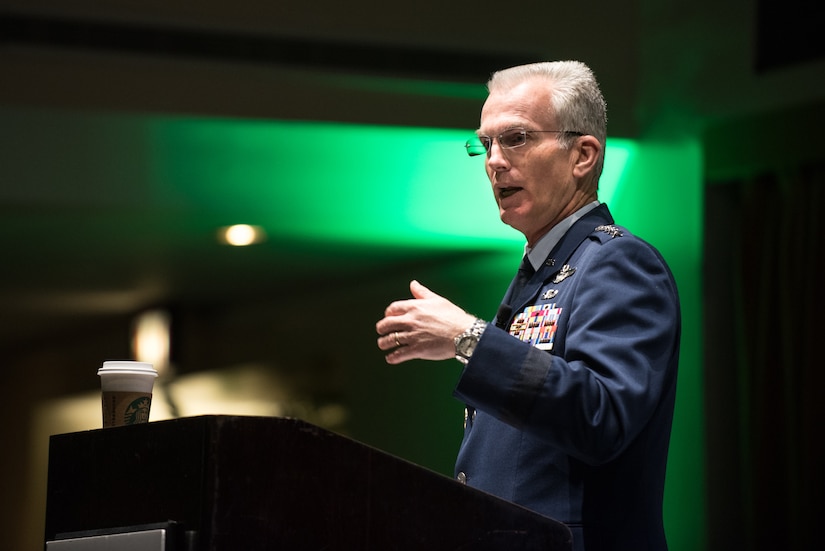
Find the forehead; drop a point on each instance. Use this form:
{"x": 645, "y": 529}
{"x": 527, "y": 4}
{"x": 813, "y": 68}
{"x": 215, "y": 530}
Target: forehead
{"x": 526, "y": 104}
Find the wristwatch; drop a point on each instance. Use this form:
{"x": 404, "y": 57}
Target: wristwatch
{"x": 466, "y": 342}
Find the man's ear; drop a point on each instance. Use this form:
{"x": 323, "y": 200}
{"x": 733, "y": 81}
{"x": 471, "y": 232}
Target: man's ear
{"x": 588, "y": 149}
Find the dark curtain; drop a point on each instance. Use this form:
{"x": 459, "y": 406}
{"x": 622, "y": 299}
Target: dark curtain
{"x": 764, "y": 282}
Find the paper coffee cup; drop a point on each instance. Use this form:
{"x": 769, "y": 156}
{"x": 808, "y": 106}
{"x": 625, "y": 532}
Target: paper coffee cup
{"x": 127, "y": 392}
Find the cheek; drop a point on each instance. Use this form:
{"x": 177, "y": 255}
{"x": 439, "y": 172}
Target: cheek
{"x": 545, "y": 179}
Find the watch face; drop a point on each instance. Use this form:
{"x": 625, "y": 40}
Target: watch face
{"x": 466, "y": 345}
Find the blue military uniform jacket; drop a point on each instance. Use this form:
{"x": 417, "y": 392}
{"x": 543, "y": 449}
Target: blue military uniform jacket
{"x": 571, "y": 416}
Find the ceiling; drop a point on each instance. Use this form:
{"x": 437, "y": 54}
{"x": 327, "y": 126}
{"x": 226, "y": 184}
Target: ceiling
{"x": 94, "y": 224}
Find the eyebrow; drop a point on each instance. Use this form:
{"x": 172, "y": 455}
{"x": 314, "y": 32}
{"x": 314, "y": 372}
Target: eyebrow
{"x": 511, "y": 127}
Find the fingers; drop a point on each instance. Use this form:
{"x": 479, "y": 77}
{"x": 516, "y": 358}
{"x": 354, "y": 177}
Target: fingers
{"x": 398, "y": 308}
{"x": 398, "y": 352}
{"x": 392, "y": 321}
{"x": 398, "y": 318}
{"x": 423, "y": 327}
{"x": 390, "y": 340}
{"x": 419, "y": 291}
{"x": 399, "y": 355}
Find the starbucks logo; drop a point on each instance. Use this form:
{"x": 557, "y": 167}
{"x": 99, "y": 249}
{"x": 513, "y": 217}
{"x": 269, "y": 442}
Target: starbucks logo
{"x": 137, "y": 411}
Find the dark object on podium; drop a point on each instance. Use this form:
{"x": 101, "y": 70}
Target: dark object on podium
{"x": 259, "y": 483}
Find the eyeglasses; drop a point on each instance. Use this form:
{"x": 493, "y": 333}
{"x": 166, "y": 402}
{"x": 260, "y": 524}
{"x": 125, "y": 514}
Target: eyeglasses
{"x": 509, "y": 139}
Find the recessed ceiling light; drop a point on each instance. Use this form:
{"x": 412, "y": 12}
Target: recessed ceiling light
{"x": 241, "y": 235}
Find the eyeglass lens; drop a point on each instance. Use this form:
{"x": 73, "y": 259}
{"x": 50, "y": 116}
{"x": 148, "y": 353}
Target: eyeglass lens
{"x": 512, "y": 138}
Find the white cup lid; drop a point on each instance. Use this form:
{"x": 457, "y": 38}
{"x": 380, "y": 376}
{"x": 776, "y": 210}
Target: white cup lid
{"x": 130, "y": 367}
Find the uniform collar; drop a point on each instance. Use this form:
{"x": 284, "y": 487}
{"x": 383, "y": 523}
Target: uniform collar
{"x": 538, "y": 254}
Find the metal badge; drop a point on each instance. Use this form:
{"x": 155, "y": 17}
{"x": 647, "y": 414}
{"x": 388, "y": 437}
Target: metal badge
{"x": 550, "y": 293}
{"x": 610, "y": 230}
{"x": 566, "y": 271}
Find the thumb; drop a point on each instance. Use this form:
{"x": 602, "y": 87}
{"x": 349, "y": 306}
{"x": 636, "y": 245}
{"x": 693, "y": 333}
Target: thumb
{"x": 419, "y": 291}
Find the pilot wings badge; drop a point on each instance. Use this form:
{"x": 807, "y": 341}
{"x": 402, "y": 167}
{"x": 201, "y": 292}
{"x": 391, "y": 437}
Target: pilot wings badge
{"x": 566, "y": 271}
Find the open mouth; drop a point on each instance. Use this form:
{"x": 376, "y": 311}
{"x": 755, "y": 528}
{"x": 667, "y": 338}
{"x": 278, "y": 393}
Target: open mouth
{"x": 506, "y": 192}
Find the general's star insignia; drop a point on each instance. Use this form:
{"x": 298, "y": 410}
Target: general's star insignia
{"x": 610, "y": 230}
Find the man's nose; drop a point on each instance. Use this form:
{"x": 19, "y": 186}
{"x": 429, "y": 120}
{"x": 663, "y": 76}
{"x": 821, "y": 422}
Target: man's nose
{"x": 496, "y": 158}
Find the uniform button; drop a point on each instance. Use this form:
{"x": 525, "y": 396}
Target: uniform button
{"x": 461, "y": 477}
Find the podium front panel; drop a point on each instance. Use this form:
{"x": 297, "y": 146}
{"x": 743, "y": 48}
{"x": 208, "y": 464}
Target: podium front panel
{"x": 261, "y": 483}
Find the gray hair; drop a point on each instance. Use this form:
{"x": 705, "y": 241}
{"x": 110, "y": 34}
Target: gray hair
{"x": 576, "y": 100}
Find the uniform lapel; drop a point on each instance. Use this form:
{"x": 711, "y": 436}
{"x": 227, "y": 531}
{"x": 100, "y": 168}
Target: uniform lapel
{"x": 560, "y": 253}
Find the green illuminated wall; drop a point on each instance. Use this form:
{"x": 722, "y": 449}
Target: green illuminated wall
{"x": 345, "y": 183}
{"x": 415, "y": 188}
{"x": 659, "y": 197}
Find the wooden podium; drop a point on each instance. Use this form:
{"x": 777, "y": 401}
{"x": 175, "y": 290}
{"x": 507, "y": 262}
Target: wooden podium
{"x": 258, "y": 483}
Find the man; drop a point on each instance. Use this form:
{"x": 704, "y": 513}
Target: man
{"x": 570, "y": 389}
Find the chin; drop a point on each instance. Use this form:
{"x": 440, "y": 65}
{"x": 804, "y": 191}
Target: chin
{"x": 510, "y": 220}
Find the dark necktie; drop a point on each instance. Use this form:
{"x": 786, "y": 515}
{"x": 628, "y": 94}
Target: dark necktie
{"x": 525, "y": 272}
